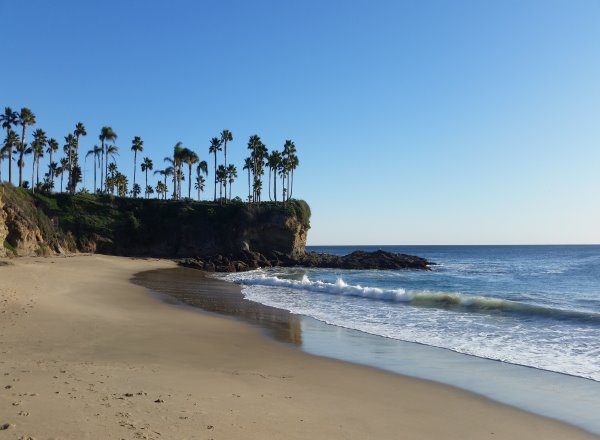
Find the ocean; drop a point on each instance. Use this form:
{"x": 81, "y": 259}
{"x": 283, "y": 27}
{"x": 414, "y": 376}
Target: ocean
{"x": 534, "y": 310}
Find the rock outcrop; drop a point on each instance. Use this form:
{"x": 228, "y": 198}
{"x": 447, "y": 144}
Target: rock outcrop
{"x": 244, "y": 261}
{"x": 365, "y": 261}
{"x": 52, "y": 224}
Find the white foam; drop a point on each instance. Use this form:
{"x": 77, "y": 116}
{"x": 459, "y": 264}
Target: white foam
{"x": 564, "y": 347}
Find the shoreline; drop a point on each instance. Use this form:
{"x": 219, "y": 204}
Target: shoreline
{"x": 89, "y": 354}
{"x": 465, "y": 372}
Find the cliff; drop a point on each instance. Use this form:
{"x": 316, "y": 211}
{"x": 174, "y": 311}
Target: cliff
{"x": 36, "y": 224}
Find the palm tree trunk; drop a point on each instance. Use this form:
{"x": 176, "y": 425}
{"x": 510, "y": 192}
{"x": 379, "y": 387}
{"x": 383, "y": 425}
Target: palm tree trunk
{"x": 147, "y": 195}
{"x": 225, "y": 155}
{"x": 174, "y": 183}
{"x": 70, "y": 181}
{"x": 9, "y": 156}
{"x": 134, "y": 165}
{"x": 215, "y": 197}
{"x": 249, "y": 195}
{"x": 20, "y": 164}
{"x": 61, "y": 181}
{"x": 270, "y": 184}
{"x": 275, "y": 187}
{"x": 190, "y": 182}
{"x": 102, "y": 169}
{"x": 33, "y": 174}
{"x": 51, "y": 171}
{"x": 95, "y": 174}
{"x": 21, "y": 156}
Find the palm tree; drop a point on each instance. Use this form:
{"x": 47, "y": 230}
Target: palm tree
{"x": 64, "y": 164}
{"x": 95, "y": 152}
{"x": 3, "y": 155}
{"x": 111, "y": 151}
{"x": 176, "y": 162}
{"x": 283, "y": 173}
{"x": 38, "y": 144}
{"x": 258, "y": 153}
{"x": 199, "y": 185}
{"x": 273, "y": 162}
{"x": 146, "y": 165}
{"x": 26, "y": 117}
{"x": 149, "y": 190}
{"x": 137, "y": 144}
{"x": 231, "y": 176}
{"x": 106, "y": 135}
{"x": 135, "y": 190}
{"x": 248, "y": 166}
{"x": 52, "y": 171}
{"x": 190, "y": 158}
{"x": 11, "y": 143}
{"x": 289, "y": 152}
{"x": 78, "y": 132}
{"x": 120, "y": 182}
{"x": 222, "y": 178}
{"x": 215, "y": 147}
{"x": 9, "y": 119}
{"x": 69, "y": 149}
{"x": 111, "y": 181}
{"x": 22, "y": 149}
{"x": 226, "y": 136}
{"x": 165, "y": 173}
{"x": 258, "y": 189}
{"x": 52, "y": 148}
{"x": 294, "y": 162}
{"x": 161, "y": 188}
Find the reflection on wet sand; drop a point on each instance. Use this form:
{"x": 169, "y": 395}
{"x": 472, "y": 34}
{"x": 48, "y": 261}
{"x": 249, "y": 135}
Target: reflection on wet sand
{"x": 194, "y": 288}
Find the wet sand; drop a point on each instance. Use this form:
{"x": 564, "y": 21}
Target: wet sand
{"x": 86, "y": 353}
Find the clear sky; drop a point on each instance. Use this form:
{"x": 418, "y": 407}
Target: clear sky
{"x": 416, "y": 122}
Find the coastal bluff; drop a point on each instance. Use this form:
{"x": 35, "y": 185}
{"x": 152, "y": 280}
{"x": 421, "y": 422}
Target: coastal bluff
{"x": 232, "y": 237}
{"x": 57, "y": 224}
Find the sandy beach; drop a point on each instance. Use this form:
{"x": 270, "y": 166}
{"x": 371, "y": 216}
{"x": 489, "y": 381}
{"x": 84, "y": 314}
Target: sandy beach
{"x": 87, "y": 354}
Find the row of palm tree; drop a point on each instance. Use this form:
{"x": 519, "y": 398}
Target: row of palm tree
{"x": 111, "y": 180}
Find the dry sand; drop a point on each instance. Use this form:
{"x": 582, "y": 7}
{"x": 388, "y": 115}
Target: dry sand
{"x": 85, "y": 354}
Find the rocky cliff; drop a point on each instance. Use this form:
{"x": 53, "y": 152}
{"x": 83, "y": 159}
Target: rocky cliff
{"x": 42, "y": 225}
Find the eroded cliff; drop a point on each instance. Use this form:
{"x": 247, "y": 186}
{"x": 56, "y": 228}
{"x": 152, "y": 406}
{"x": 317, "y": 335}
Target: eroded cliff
{"x": 42, "y": 224}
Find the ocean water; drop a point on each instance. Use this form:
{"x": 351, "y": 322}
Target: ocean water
{"x": 534, "y": 306}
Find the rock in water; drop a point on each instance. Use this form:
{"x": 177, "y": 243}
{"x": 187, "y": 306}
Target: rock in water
{"x": 365, "y": 261}
{"x": 360, "y": 260}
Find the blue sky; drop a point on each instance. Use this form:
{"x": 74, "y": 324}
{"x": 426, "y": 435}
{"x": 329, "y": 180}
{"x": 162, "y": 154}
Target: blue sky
{"x": 429, "y": 122}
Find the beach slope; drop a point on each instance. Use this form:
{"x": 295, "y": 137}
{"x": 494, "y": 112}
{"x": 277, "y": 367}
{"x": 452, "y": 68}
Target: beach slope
{"x": 86, "y": 354}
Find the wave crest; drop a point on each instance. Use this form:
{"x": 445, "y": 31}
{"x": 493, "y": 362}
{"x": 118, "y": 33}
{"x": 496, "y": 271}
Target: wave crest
{"x": 443, "y": 300}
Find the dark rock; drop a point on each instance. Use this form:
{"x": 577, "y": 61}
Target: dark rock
{"x": 248, "y": 260}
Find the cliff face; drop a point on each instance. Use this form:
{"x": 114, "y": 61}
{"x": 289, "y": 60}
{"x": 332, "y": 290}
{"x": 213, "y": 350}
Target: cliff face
{"x": 38, "y": 224}
{"x": 24, "y": 230}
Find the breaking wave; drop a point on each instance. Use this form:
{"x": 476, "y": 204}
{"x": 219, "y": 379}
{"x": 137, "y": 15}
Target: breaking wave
{"x": 443, "y": 300}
